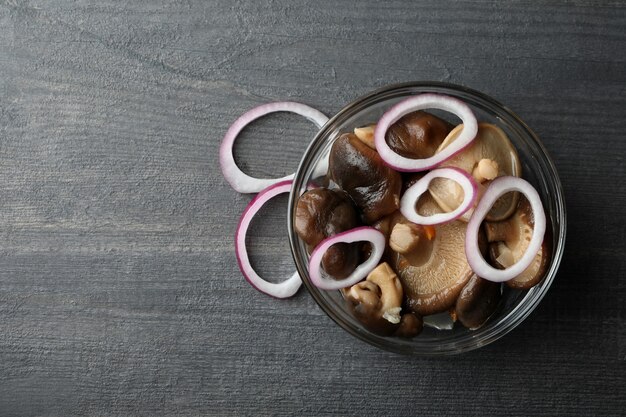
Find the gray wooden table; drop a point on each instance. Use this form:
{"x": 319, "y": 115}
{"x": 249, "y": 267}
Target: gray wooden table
{"x": 119, "y": 290}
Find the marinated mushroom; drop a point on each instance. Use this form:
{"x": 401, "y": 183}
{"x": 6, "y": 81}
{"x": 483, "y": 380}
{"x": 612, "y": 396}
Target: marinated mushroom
{"x": 359, "y": 170}
{"x": 405, "y": 237}
{"x": 508, "y": 240}
{"x": 434, "y": 272}
{"x": 477, "y": 301}
{"x": 417, "y": 135}
{"x": 489, "y": 156}
{"x": 377, "y": 301}
{"x": 410, "y": 326}
{"x": 341, "y": 259}
{"x": 385, "y": 224}
{"x": 321, "y": 213}
{"x": 410, "y": 178}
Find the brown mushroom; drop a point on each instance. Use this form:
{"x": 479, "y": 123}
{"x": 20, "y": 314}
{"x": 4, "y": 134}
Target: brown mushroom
{"x": 509, "y": 240}
{"x": 321, "y": 213}
{"x": 377, "y": 301}
{"x": 385, "y": 224}
{"x": 360, "y": 171}
{"x": 410, "y": 326}
{"x": 477, "y": 302}
{"x": 417, "y": 135}
{"x": 410, "y": 178}
{"x": 434, "y": 272}
{"x": 490, "y": 155}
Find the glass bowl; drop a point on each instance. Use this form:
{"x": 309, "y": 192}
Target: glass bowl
{"x": 537, "y": 168}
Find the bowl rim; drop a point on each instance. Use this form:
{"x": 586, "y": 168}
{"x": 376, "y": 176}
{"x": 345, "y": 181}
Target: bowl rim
{"x": 518, "y": 315}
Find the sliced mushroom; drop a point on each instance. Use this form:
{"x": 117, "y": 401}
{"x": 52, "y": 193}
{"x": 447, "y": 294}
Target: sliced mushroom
{"x": 377, "y": 301}
{"x": 489, "y": 156}
{"x": 434, "y": 272}
{"x": 477, "y": 301}
{"x": 417, "y": 134}
{"x": 360, "y": 171}
{"x": 509, "y": 240}
{"x": 321, "y": 213}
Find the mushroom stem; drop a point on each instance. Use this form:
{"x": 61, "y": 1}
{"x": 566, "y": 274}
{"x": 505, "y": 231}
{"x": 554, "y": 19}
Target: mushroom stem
{"x": 391, "y": 291}
{"x": 485, "y": 170}
{"x": 405, "y": 237}
{"x": 505, "y": 257}
{"x": 377, "y": 301}
{"x": 366, "y": 135}
{"x": 499, "y": 231}
{"x": 392, "y": 315}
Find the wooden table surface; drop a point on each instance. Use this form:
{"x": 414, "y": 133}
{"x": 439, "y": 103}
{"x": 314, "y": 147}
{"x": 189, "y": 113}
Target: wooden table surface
{"x": 119, "y": 290}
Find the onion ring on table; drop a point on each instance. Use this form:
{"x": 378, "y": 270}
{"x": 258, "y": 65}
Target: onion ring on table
{"x": 283, "y": 289}
{"x": 243, "y": 182}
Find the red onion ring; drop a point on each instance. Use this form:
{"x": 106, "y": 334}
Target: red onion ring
{"x": 414, "y": 192}
{"x": 243, "y": 182}
{"x": 422, "y": 102}
{"x": 498, "y": 187}
{"x": 359, "y": 234}
{"x": 283, "y": 289}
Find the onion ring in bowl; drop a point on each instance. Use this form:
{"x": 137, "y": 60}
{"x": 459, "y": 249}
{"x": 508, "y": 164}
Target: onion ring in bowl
{"x": 497, "y": 188}
{"x": 422, "y": 102}
{"x": 283, "y": 289}
{"x": 359, "y": 234}
{"x": 414, "y": 192}
{"x": 243, "y": 182}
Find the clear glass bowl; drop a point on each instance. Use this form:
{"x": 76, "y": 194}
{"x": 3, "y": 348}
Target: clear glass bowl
{"x": 537, "y": 168}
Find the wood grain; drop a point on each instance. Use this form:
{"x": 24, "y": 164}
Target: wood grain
{"x": 119, "y": 290}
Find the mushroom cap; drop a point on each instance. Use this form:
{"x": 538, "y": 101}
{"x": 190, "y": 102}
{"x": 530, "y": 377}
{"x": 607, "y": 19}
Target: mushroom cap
{"x": 477, "y": 301}
{"x": 340, "y": 260}
{"x": 531, "y": 275}
{"x": 491, "y": 143}
{"x": 360, "y": 171}
{"x": 321, "y": 213}
{"x": 410, "y": 326}
{"x": 510, "y": 241}
{"x": 417, "y": 134}
{"x": 434, "y": 273}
